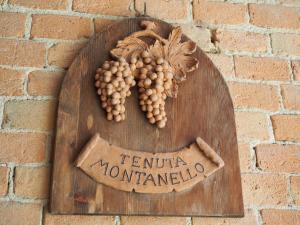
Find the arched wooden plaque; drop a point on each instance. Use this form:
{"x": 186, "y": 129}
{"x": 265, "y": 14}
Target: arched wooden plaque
{"x": 203, "y": 109}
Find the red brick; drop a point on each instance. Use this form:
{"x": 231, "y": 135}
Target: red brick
{"x": 41, "y": 4}
{"x": 30, "y": 114}
{"x": 3, "y": 180}
{"x": 60, "y": 27}
{"x": 101, "y": 24}
{"x": 248, "y": 219}
{"x": 44, "y": 83}
{"x": 251, "y": 125}
{"x": 224, "y": 64}
{"x": 22, "y": 53}
{"x": 137, "y": 220}
{"x": 286, "y": 127}
{"x": 296, "y": 69}
{"x": 274, "y": 16}
{"x": 12, "y": 24}
{"x": 13, "y": 213}
{"x": 201, "y": 36}
{"x": 171, "y": 9}
{"x": 280, "y": 217}
{"x": 242, "y": 41}
{"x": 32, "y": 182}
{"x": 278, "y": 158}
{"x": 261, "y": 68}
{"x": 291, "y": 96}
{"x": 264, "y": 189}
{"x": 105, "y": 7}
{"x": 22, "y": 147}
{"x": 77, "y": 220}
{"x": 295, "y": 190}
{"x": 245, "y": 157}
{"x": 214, "y": 12}
{"x": 63, "y": 54}
{"x": 286, "y": 44}
{"x": 289, "y": 2}
{"x": 11, "y": 82}
{"x": 245, "y": 95}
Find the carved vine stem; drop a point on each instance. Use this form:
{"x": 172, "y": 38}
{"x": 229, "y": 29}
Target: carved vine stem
{"x": 148, "y": 33}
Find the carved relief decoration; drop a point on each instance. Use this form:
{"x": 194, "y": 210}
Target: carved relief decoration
{"x": 157, "y": 65}
{"x": 144, "y": 172}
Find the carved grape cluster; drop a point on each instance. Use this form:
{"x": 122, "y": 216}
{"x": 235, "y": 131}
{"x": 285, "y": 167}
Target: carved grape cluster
{"x": 155, "y": 80}
{"x": 113, "y": 83}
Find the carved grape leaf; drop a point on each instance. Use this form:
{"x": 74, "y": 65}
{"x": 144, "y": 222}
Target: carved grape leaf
{"x": 130, "y": 46}
{"x": 179, "y": 55}
{"x": 174, "y": 38}
{"x": 156, "y": 50}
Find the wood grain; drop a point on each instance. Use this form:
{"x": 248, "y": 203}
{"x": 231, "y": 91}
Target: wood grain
{"x": 203, "y": 109}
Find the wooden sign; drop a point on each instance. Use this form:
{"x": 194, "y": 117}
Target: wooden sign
{"x": 129, "y": 160}
{"x": 145, "y": 172}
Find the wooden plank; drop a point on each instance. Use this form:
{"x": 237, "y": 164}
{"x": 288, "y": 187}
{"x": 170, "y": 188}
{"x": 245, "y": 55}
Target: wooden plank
{"x": 203, "y": 109}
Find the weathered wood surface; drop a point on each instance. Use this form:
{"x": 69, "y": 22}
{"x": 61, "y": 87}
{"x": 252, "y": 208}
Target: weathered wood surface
{"x": 203, "y": 109}
{"x": 145, "y": 172}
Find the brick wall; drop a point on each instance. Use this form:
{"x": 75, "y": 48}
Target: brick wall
{"x": 254, "y": 43}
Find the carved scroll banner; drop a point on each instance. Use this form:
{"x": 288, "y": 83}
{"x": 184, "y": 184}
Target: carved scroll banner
{"x": 144, "y": 172}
